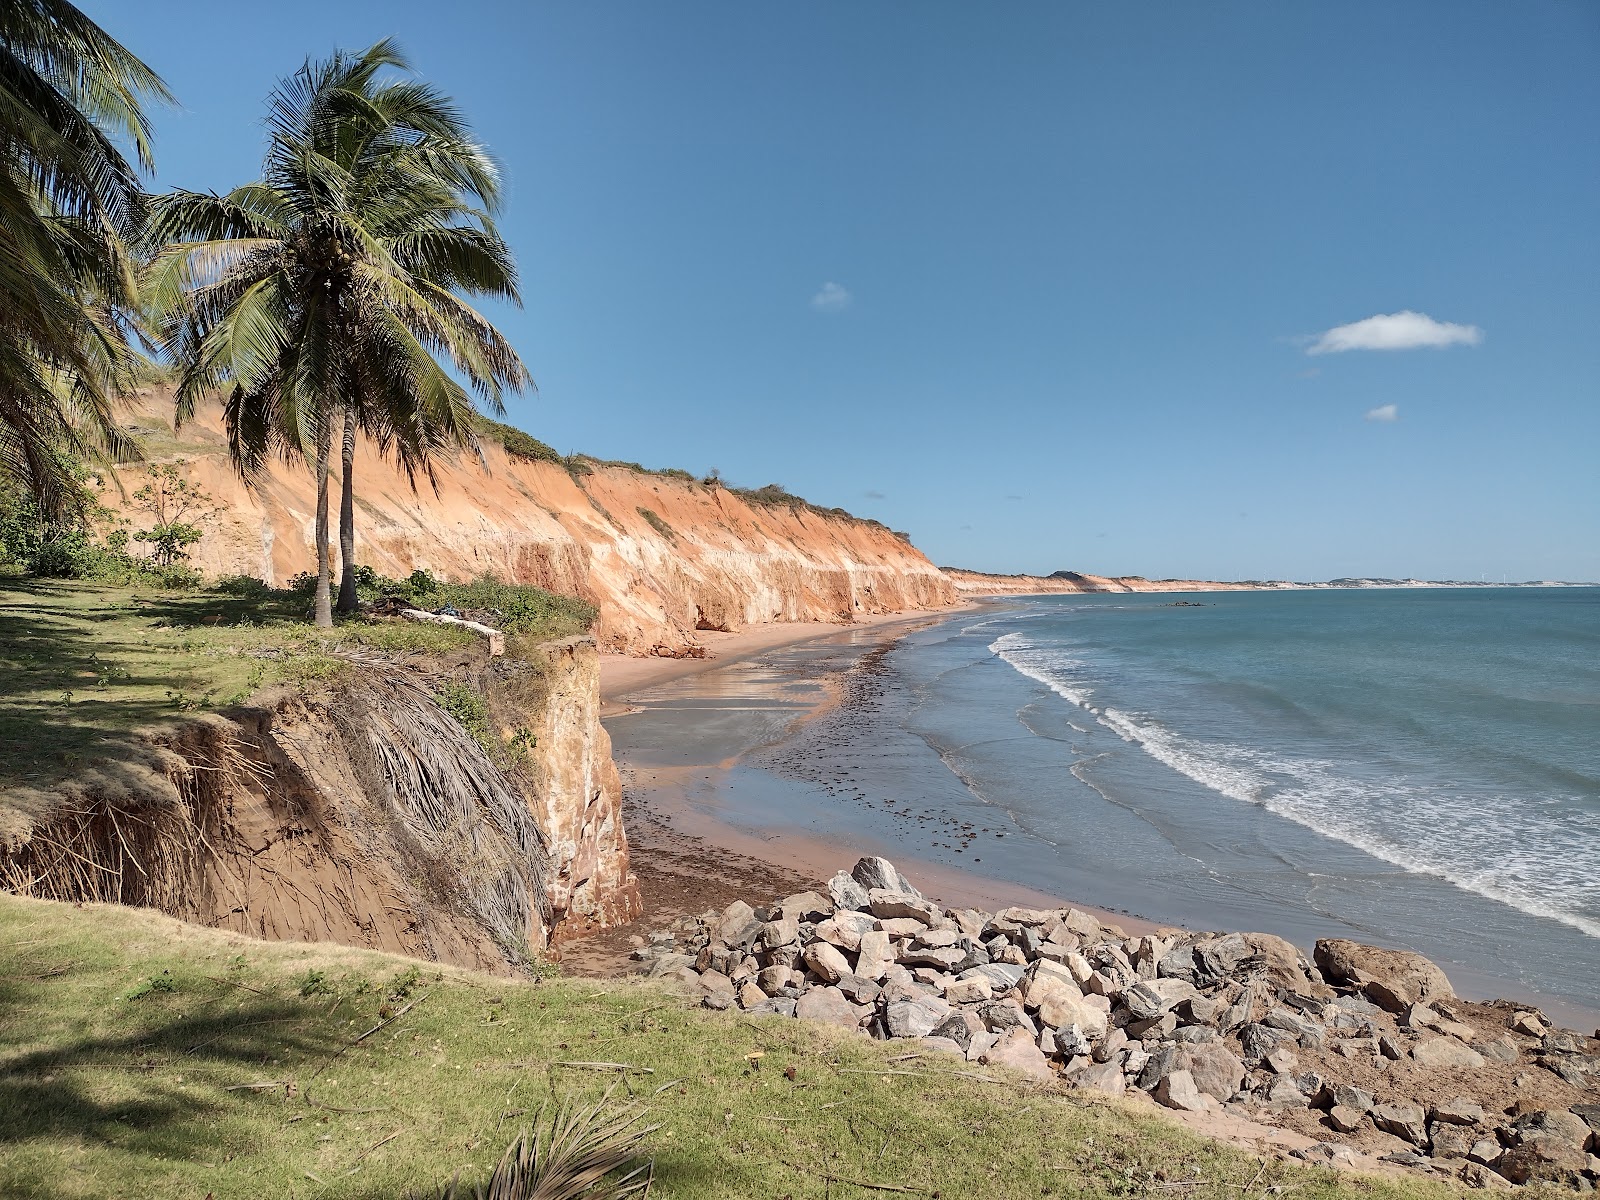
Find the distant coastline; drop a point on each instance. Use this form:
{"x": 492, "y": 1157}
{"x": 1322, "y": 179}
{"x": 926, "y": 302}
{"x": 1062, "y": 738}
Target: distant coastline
{"x": 976, "y": 583}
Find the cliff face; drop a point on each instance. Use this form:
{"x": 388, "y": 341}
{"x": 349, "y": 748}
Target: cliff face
{"x": 658, "y": 555}
{"x": 975, "y": 583}
{"x": 363, "y": 815}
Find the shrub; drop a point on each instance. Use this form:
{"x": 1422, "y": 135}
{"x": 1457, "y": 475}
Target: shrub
{"x": 660, "y": 526}
{"x": 246, "y": 587}
{"x": 470, "y": 710}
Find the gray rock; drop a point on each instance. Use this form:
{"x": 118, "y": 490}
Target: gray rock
{"x": 955, "y": 1028}
{"x": 1566, "y": 1127}
{"x": 1348, "y": 1096}
{"x": 1501, "y": 1050}
{"x": 1214, "y": 1071}
{"x": 1405, "y": 1121}
{"x": 1177, "y": 1090}
{"x": 1306, "y": 1031}
{"x": 781, "y": 1006}
{"x": 1546, "y": 1160}
{"x": 876, "y": 955}
{"x": 1394, "y": 979}
{"x": 859, "y": 990}
{"x": 968, "y": 989}
{"x": 1071, "y": 1042}
{"x": 916, "y": 1018}
{"x": 1000, "y": 1016}
{"x": 1486, "y": 1151}
{"x": 1282, "y": 1061}
{"x": 943, "y": 958}
{"x": 785, "y": 931}
{"x": 1227, "y": 957}
{"x": 1162, "y": 1062}
{"x": 1450, "y": 1141}
{"x": 1002, "y": 977}
{"x": 1178, "y": 964}
{"x": 1153, "y": 998}
{"x": 880, "y": 873}
{"x": 887, "y": 905}
{"x": 1016, "y": 1050}
{"x": 847, "y": 894}
{"x": 1258, "y": 1041}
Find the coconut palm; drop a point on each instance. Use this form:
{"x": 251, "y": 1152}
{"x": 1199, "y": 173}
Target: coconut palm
{"x": 329, "y": 290}
{"x": 69, "y": 203}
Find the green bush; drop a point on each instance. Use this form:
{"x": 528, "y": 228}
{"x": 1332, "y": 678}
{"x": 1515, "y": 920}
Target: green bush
{"x": 470, "y": 710}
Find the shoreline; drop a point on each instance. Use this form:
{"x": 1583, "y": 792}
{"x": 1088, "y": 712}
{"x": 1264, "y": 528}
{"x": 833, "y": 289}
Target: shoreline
{"x": 676, "y": 814}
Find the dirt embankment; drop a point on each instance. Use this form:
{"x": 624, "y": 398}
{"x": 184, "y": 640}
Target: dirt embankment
{"x": 975, "y": 583}
{"x": 662, "y": 556}
{"x": 360, "y": 813}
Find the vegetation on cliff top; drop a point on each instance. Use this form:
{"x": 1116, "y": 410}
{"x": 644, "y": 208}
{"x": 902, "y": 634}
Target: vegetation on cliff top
{"x": 141, "y": 1056}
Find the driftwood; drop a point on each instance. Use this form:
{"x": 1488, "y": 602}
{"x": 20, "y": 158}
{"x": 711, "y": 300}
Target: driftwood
{"x": 496, "y": 639}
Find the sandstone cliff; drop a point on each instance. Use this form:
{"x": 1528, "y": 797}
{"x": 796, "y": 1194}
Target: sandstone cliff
{"x": 975, "y": 583}
{"x": 660, "y": 555}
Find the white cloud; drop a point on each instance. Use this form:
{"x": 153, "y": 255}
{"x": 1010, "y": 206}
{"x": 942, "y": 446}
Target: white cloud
{"x": 1395, "y": 331}
{"x": 1384, "y": 412}
{"x": 831, "y": 297}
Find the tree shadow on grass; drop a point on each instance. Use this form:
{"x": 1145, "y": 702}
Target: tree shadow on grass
{"x": 123, "y": 1091}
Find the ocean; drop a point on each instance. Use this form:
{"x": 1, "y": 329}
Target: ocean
{"x": 1418, "y": 768}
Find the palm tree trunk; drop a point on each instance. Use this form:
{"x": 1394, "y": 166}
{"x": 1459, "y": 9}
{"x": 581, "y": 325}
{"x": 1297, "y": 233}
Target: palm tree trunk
{"x": 347, "y": 516}
{"x": 324, "y": 615}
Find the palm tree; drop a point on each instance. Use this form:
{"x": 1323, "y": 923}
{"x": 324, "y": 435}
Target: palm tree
{"x": 330, "y": 288}
{"x": 69, "y": 204}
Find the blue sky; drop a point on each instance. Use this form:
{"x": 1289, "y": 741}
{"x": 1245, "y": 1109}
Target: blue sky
{"x": 1079, "y": 258}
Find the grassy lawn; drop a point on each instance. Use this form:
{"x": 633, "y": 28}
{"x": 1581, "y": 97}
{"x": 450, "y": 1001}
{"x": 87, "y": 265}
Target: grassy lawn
{"x": 84, "y": 662}
{"x": 140, "y": 1056}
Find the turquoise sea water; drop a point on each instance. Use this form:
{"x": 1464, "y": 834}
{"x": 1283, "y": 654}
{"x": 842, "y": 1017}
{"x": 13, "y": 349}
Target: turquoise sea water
{"x": 1417, "y": 767}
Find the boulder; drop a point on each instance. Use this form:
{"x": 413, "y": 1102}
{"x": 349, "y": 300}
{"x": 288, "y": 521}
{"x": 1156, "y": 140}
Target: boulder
{"x": 1546, "y": 1160}
{"x": 887, "y": 905}
{"x": 880, "y": 873}
{"x": 1177, "y": 1090}
{"x": 955, "y": 1029}
{"x": 1062, "y": 1007}
{"x": 1405, "y": 1121}
{"x": 968, "y": 990}
{"x": 750, "y": 995}
{"x": 876, "y": 955}
{"x": 1103, "y": 1077}
{"x": 915, "y": 1018}
{"x": 844, "y": 929}
{"x": 1285, "y": 967}
{"x": 1002, "y": 977}
{"x": 806, "y": 906}
{"x": 1445, "y": 1052}
{"x": 1566, "y": 1127}
{"x": 942, "y": 958}
{"x": 1153, "y": 998}
{"x": 848, "y": 895}
{"x": 1258, "y": 1041}
{"x": 1016, "y": 1050}
{"x": 827, "y": 1004}
{"x": 1348, "y": 1096}
{"x": 859, "y": 990}
{"x": 737, "y": 926}
{"x": 1458, "y": 1111}
{"x": 1214, "y": 1070}
{"x": 785, "y": 931}
{"x": 1393, "y": 979}
{"x": 1450, "y": 1141}
{"x": 1306, "y": 1031}
{"x": 1481, "y": 1177}
{"x": 1344, "y": 1119}
{"x": 827, "y": 961}
{"x": 1001, "y": 1015}
{"x": 1069, "y": 1041}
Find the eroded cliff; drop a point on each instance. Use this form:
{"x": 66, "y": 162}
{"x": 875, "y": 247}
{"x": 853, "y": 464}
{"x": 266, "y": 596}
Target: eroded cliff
{"x": 976, "y": 583}
{"x": 660, "y": 555}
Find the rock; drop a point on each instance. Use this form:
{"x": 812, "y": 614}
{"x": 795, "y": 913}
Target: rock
{"x": 1526, "y": 1023}
{"x": 1071, "y": 1041}
{"x": 1450, "y": 1141}
{"x": 827, "y": 961}
{"x": 827, "y": 1004}
{"x": 1393, "y": 979}
{"x": 806, "y": 906}
{"x": 900, "y": 929}
{"x": 848, "y": 895}
{"x": 1486, "y": 1151}
{"x": 1258, "y": 1041}
{"x": 859, "y": 990}
{"x": 1214, "y": 1071}
{"x": 1405, "y": 1121}
{"x": 886, "y": 905}
{"x": 1103, "y": 1077}
{"x": 1344, "y": 1119}
{"x": 1153, "y": 998}
{"x": 1161, "y": 1062}
{"x": 1282, "y": 1061}
{"x": 880, "y": 873}
{"x": 670, "y": 965}
{"x": 955, "y": 1028}
{"x": 1445, "y": 1052}
{"x": 1284, "y": 1091}
{"x": 781, "y": 1006}
{"x": 1285, "y": 967}
{"x": 1330, "y": 1153}
{"x": 1546, "y": 1160}
{"x": 1016, "y": 1050}
{"x": 1306, "y": 1031}
{"x": 1002, "y": 977}
{"x": 1177, "y": 1090}
{"x": 1566, "y": 1127}
{"x": 1589, "y": 1114}
{"x": 968, "y": 990}
{"x": 1061, "y": 1008}
{"x": 1348, "y": 1096}
{"x": 943, "y": 958}
{"x": 876, "y": 955}
{"x": 750, "y": 995}
{"x": 844, "y": 929}
{"x": 785, "y": 931}
{"x": 737, "y": 926}
{"x": 1032, "y": 917}
{"x": 1474, "y": 1175}
{"x": 915, "y": 1018}
{"x": 1226, "y": 957}
{"x": 1390, "y": 1049}
{"x": 1458, "y": 1111}
{"x": 981, "y": 1042}
{"x": 1501, "y": 1050}
{"x": 773, "y": 980}
{"x": 1000, "y": 1016}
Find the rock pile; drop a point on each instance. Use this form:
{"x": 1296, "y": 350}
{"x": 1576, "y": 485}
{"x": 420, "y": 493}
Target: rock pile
{"x": 1367, "y": 1044}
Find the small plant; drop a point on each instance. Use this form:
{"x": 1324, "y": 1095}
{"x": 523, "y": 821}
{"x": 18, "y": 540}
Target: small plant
{"x": 156, "y": 983}
{"x": 470, "y": 710}
{"x": 246, "y": 587}
{"x": 173, "y": 504}
{"x": 315, "y": 983}
{"x": 655, "y": 522}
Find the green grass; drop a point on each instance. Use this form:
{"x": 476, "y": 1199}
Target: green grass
{"x": 84, "y": 662}
{"x": 141, "y": 1057}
